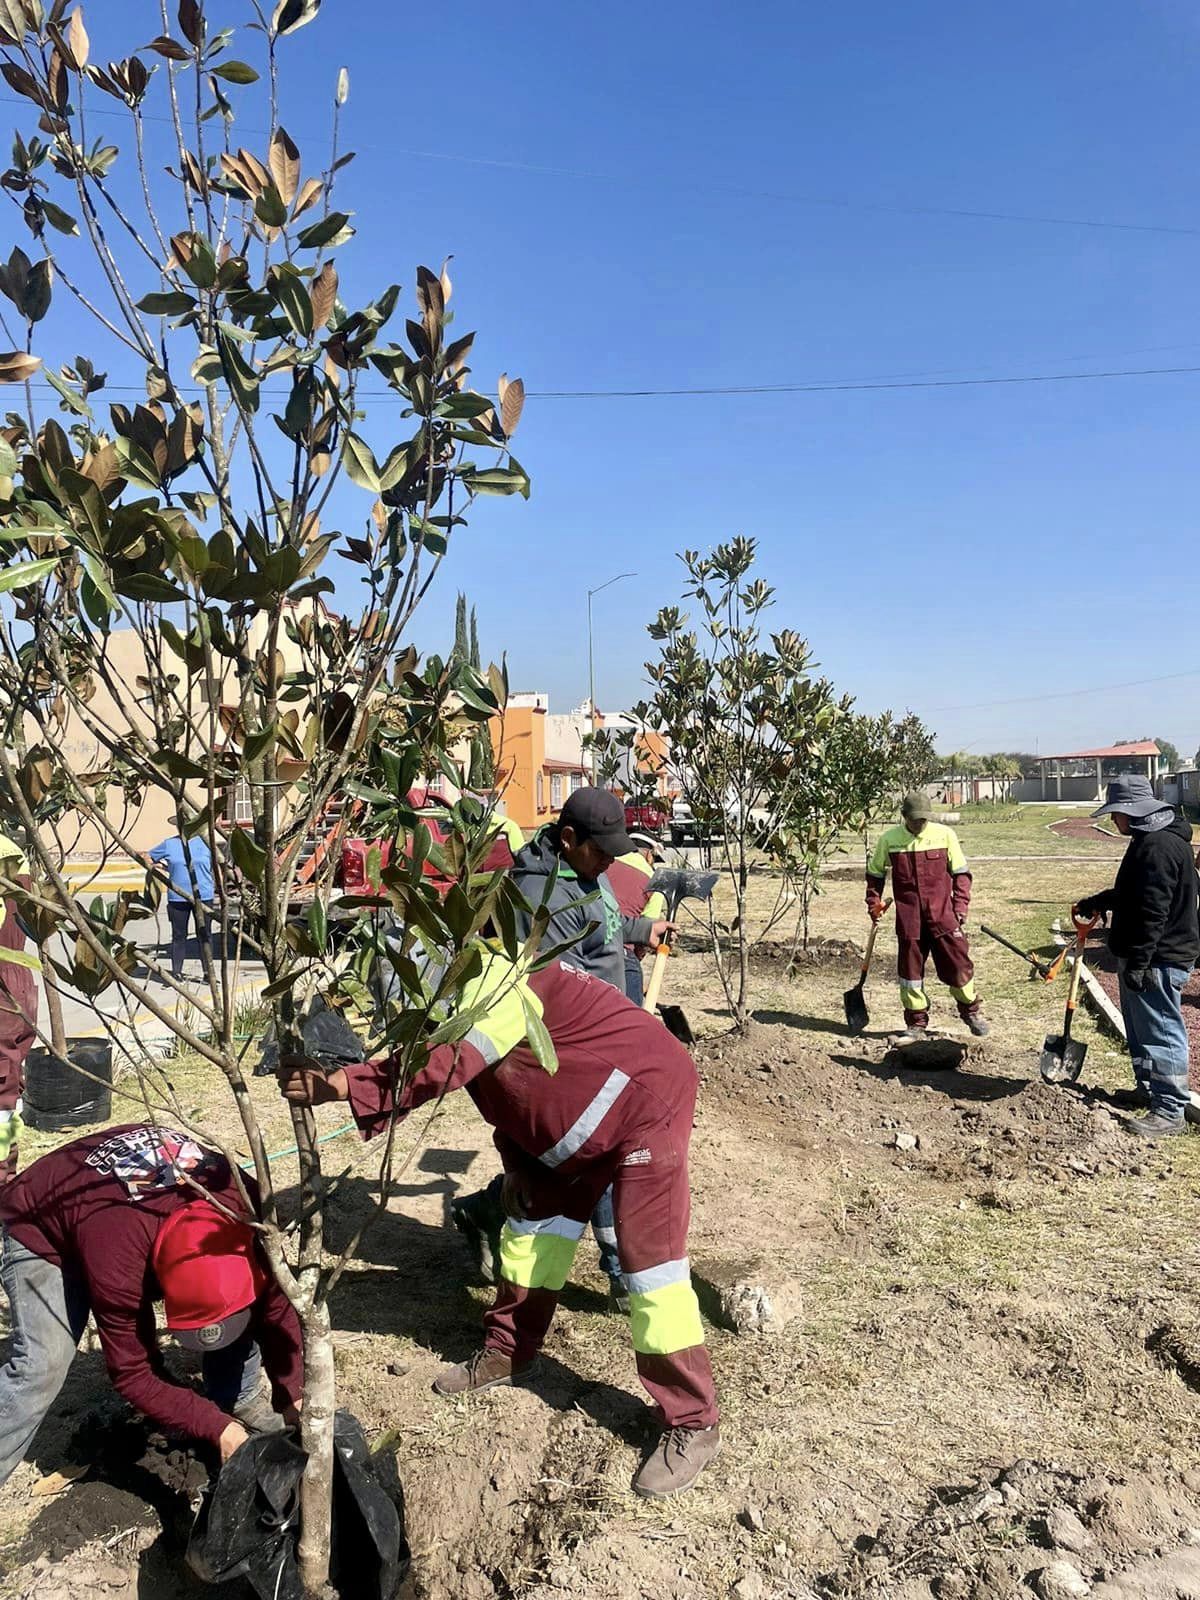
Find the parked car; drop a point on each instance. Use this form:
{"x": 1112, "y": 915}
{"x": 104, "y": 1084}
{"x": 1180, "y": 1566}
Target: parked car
{"x": 649, "y": 818}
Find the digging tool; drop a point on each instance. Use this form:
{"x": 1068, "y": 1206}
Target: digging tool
{"x": 1046, "y": 973}
{"x": 1062, "y": 1056}
{"x": 854, "y": 1000}
{"x": 675, "y": 884}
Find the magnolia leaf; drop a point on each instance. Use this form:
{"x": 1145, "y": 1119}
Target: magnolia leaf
{"x": 235, "y": 72}
{"x": 324, "y": 294}
{"x": 191, "y": 21}
{"x": 310, "y": 192}
{"x": 293, "y": 14}
{"x": 325, "y": 232}
{"x": 249, "y": 856}
{"x": 28, "y": 572}
{"x": 537, "y": 1035}
{"x": 512, "y": 403}
{"x": 174, "y": 303}
{"x": 359, "y": 461}
{"x": 283, "y": 158}
{"x": 59, "y": 219}
{"x": 16, "y": 366}
{"x": 77, "y": 39}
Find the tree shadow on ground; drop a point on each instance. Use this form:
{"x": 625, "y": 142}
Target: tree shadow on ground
{"x": 810, "y": 1024}
{"x": 416, "y": 1281}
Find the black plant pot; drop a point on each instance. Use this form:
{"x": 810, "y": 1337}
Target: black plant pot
{"x": 57, "y": 1097}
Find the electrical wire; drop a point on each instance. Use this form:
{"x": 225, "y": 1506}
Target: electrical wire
{"x": 1065, "y": 694}
{"x": 734, "y": 191}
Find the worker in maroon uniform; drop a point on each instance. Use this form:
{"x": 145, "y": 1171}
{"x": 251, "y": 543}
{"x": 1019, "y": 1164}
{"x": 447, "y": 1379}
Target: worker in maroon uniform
{"x": 618, "y": 1110}
{"x": 18, "y": 1009}
{"x": 931, "y": 883}
{"x": 104, "y": 1226}
{"x": 630, "y": 877}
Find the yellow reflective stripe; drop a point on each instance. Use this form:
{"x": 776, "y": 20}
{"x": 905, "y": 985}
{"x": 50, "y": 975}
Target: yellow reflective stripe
{"x": 535, "y": 1260}
{"x": 498, "y": 987}
{"x": 966, "y": 995}
{"x": 638, "y": 862}
{"x": 11, "y": 1129}
{"x": 913, "y": 997}
{"x": 662, "y": 1321}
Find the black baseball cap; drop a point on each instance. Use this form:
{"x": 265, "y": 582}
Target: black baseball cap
{"x": 598, "y": 815}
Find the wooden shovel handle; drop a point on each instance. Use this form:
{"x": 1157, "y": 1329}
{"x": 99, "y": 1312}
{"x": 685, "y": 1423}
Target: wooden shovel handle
{"x": 871, "y": 937}
{"x": 656, "y": 976}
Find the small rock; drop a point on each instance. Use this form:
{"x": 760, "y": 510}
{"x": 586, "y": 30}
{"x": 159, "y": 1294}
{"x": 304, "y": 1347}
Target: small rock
{"x": 397, "y": 1369}
{"x": 1061, "y": 1581}
{"x": 1191, "y": 1480}
{"x": 751, "y": 1517}
{"x": 750, "y": 1587}
{"x": 904, "y": 1141}
{"x": 1065, "y": 1531}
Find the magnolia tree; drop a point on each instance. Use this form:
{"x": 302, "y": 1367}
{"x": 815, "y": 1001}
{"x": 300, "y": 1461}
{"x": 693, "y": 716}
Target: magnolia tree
{"x": 741, "y": 715}
{"x": 179, "y": 630}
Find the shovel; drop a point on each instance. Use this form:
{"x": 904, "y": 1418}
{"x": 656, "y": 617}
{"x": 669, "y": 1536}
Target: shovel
{"x": 854, "y": 1000}
{"x": 1040, "y": 969}
{"x": 1062, "y": 1056}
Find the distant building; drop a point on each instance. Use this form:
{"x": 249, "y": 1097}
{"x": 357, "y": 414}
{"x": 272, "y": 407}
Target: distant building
{"x": 1082, "y": 775}
{"x": 541, "y": 757}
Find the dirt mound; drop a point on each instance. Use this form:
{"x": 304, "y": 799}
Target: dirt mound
{"x": 1035, "y": 1527}
{"x": 973, "y": 1111}
{"x": 779, "y": 955}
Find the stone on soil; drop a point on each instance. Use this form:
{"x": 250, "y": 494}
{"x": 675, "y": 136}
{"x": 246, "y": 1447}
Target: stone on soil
{"x": 1061, "y": 1581}
{"x": 1175, "y": 1576}
{"x": 745, "y": 1297}
{"x": 1065, "y": 1531}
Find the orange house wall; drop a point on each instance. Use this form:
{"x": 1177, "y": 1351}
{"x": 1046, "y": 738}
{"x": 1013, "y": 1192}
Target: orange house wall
{"x": 519, "y": 745}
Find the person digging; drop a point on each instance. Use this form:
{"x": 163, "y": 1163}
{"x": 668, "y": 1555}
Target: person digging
{"x": 1155, "y": 938}
{"x": 108, "y": 1224}
{"x": 617, "y": 1111}
{"x": 931, "y": 886}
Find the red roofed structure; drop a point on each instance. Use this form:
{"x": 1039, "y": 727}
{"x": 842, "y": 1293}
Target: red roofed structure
{"x": 1082, "y": 774}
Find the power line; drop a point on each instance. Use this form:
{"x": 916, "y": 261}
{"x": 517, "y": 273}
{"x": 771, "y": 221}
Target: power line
{"x": 1065, "y": 694}
{"x": 736, "y": 191}
{"x": 757, "y": 389}
{"x": 849, "y": 388}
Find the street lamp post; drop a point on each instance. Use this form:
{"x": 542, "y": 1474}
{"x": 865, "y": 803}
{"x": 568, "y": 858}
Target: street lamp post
{"x": 591, "y": 661}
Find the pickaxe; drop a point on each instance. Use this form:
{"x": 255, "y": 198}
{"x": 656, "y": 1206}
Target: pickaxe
{"x": 674, "y": 884}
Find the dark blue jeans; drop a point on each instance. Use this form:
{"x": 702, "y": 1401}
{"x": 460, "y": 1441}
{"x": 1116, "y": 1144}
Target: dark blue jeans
{"x": 180, "y": 914}
{"x": 1157, "y": 1037}
{"x": 634, "y": 987}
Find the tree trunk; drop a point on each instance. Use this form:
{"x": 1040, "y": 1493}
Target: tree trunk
{"x": 316, "y": 1437}
{"x": 54, "y": 1009}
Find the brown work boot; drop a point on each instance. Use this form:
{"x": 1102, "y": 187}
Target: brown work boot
{"x": 486, "y": 1369}
{"x": 678, "y": 1459}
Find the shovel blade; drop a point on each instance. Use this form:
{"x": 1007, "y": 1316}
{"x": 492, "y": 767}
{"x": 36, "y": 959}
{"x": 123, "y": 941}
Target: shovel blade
{"x": 1062, "y": 1059}
{"x": 855, "y": 1005}
{"x": 677, "y": 1023}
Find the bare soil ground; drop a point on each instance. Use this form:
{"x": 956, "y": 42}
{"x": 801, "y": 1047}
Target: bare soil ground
{"x": 985, "y": 1379}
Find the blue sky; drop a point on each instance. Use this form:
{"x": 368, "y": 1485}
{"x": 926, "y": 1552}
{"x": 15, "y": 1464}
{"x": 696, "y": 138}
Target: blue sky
{"x": 940, "y": 548}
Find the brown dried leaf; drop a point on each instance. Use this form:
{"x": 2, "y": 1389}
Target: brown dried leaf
{"x": 55, "y": 1482}
{"x": 193, "y": 172}
{"x": 58, "y": 82}
{"x": 261, "y": 176}
{"x": 512, "y": 403}
{"x": 379, "y": 515}
{"x": 16, "y": 366}
{"x": 309, "y": 195}
{"x": 324, "y": 294}
{"x": 284, "y": 161}
{"x": 77, "y": 39}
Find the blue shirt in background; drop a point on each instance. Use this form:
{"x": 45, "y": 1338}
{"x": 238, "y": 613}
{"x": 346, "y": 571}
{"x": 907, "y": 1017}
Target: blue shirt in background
{"x": 170, "y": 854}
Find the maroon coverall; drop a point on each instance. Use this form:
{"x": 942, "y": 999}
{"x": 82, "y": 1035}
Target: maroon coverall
{"x": 18, "y": 1016}
{"x": 618, "y": 1111}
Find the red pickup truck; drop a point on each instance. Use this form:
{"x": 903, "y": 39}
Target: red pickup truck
{"x": 650, "y": 818}
{"x": 359, "y": 873}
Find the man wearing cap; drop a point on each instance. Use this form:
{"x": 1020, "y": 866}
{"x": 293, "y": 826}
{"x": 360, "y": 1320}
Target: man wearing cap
{"x": 630, "y": 876}
{"x": 931, "y": 885}
{"x": 564, "y": 868}
{"x": 1155, "y": 937}
{"x": 103, "y": 1226}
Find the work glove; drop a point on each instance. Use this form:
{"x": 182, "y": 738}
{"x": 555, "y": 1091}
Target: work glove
{"x": 1089, "y": 907}
{"x": 875, "y": 910}
{"x": 1137, "y": 979}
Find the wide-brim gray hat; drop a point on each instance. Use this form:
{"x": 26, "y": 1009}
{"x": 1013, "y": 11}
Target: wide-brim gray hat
{"x": 1132, "y": 795}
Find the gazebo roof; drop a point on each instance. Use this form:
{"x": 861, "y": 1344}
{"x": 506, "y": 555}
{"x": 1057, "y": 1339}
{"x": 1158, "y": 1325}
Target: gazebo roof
{"x": 1143, "y": 747}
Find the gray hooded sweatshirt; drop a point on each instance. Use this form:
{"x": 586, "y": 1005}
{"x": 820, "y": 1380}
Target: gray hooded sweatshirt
{"x": 605, "y": 931}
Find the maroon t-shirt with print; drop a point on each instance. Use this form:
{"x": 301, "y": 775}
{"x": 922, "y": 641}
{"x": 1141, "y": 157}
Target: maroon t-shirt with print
{"x": 94, "y": 1207}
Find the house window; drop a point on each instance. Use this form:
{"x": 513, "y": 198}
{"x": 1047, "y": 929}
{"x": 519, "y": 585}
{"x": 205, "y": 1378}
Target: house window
{"x": 556, "y": 794}
{"x": 240, "y": 809}
{"x": 576, "y": 781}
{"x": 541, "y": 792}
